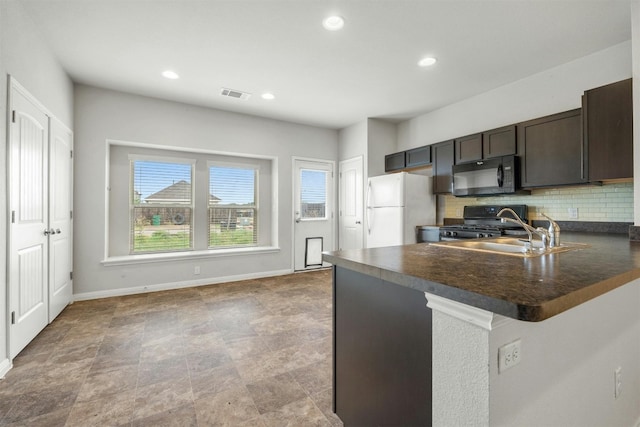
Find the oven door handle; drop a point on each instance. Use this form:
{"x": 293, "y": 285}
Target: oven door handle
{"x": 500, "y": 176}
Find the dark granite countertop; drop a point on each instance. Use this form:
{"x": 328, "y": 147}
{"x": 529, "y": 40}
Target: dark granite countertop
{"x": 530, "y": 289}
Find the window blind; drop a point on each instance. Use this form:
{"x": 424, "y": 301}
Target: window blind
{"x": 232, "y": 206}
{"x": 161, "y": 206}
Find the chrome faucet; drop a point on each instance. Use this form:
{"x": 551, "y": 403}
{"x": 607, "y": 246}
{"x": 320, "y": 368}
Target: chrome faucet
{"x": 544, "y": 234}
{"x": 554, "y": 232}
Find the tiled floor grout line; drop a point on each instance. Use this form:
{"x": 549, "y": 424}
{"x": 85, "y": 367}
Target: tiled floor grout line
{"x": 262, "y": 320}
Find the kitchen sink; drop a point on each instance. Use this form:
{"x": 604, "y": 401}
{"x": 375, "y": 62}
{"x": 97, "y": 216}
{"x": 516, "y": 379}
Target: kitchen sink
{"x": 509, "y": 246}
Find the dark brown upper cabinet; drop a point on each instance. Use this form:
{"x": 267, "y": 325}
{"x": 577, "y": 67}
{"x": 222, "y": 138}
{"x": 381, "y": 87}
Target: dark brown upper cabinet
{"x": 486, "y": 145}
{"x": 394, "y": 162}
{"x": 443, "y": 157}
{"x": 468, "y": 148}
{"x": 551, "y": 150}
{"x": 418, "y": 157}
{"x": 499, "y": 142}
{"x": 608, "y": 131}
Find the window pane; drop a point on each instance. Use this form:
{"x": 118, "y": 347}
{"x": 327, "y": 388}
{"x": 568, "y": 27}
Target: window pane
{"x": 161, "y": 183}
{"x": 161, "y": 229}
{"x": 161, "y": 207}
{"x": 232, "y": 207}
{"x": 313, "y": 193}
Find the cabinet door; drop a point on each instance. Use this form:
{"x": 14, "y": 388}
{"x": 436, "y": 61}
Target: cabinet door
{"x": 499, "y": 142}
{"x": 608, "y": 131}
{"x": 382, "y": 336}
{"x": 442, "y": 162}
{"x": 469, "y": 148}
{"x": 394, "y": 162}
{"x": 551, "y": 150}
{"x": 420, "y": 156}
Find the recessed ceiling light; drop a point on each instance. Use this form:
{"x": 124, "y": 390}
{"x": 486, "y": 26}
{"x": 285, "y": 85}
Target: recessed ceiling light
{"x": 170, "y": 75}
{"x": 268, "y": 96}
{"x": 333, "y": 23}
{"x": 427, "y": 62}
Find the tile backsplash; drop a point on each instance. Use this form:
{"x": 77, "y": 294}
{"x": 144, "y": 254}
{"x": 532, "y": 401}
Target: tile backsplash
{"x": 610, "y": 203}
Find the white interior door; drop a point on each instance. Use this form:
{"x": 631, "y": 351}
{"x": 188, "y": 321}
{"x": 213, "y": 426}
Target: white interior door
{"x": 28, "y": 231}
{"x": 313, "y": 212}
{"x": 60, "y": 206}
{"x": 350, "y": 233}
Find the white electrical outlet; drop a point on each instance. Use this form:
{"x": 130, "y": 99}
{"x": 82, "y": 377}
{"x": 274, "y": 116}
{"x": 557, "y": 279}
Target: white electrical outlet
{"x": 509, "y": 355}
{"x": 196, "y": 270}
{"x": 573, "y": 213}
{"x": 617, "y": 377}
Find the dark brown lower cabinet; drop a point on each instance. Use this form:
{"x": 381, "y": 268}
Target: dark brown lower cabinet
{"x": 382, "y": 352}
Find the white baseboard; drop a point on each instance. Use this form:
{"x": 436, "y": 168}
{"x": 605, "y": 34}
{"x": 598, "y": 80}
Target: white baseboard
{"x": 5, "y": 366}
{"x": 175, "y": 285}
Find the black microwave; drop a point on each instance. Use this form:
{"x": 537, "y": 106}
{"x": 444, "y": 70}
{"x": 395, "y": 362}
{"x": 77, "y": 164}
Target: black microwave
{"x": 491, "y": 177}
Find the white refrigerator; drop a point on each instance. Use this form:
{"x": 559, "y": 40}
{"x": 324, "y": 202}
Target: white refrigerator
{"x": 396, "y": 204}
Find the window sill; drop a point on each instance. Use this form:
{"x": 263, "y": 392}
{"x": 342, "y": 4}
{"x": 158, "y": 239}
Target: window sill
{"x": 185, "y": 256}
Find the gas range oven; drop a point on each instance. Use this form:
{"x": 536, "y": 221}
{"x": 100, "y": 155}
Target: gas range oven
{"x": 481, "y": 221}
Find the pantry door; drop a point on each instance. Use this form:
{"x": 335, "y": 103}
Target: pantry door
{"x": 351, "y": 204}
{"x": 313, "y": 227}
{"x": 60, "y": 218}
{"x": 28, "y": 230}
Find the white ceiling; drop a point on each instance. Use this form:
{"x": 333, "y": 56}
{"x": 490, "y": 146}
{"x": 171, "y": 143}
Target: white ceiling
{"x": 329, "y": 79}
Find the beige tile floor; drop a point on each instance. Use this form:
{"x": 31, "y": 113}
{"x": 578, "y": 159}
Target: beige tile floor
{"x": 250, "y": 353}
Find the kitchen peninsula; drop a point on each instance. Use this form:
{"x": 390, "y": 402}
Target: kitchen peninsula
{"x": 575, "y": 316}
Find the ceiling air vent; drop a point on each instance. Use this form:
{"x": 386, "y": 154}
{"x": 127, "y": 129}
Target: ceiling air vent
{"x": 234, "y": 93}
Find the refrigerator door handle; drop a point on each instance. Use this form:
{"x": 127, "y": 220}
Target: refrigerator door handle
{"x": 369, "y": 219}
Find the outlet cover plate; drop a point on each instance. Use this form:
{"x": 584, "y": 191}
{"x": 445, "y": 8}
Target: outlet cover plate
{"x": 509, "y": 355}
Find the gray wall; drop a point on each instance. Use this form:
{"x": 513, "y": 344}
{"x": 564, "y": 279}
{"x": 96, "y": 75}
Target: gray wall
{"x": 551, "y": 91}
{"x": 103, "y": 114}
{"x": 27, "y": 58}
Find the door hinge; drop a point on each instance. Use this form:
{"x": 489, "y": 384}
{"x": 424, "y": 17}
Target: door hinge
{"x": 71, "y": 275}
{"x": 13, "y": 317}
{"x": 71, "y": 151}
{"x": 70, "y": 214}
{"x": 13, "y": 116}
{"x": 13, "y": 217}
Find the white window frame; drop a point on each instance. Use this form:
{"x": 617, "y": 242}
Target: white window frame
{"x": 326, "y": 201}
{"x": 269, "y": 244}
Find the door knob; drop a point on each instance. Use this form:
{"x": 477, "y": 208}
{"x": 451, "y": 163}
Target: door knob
{"x": 58, "y": 231}
{"x": 358, "y": 222}
{"x": 47, "y": 232}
